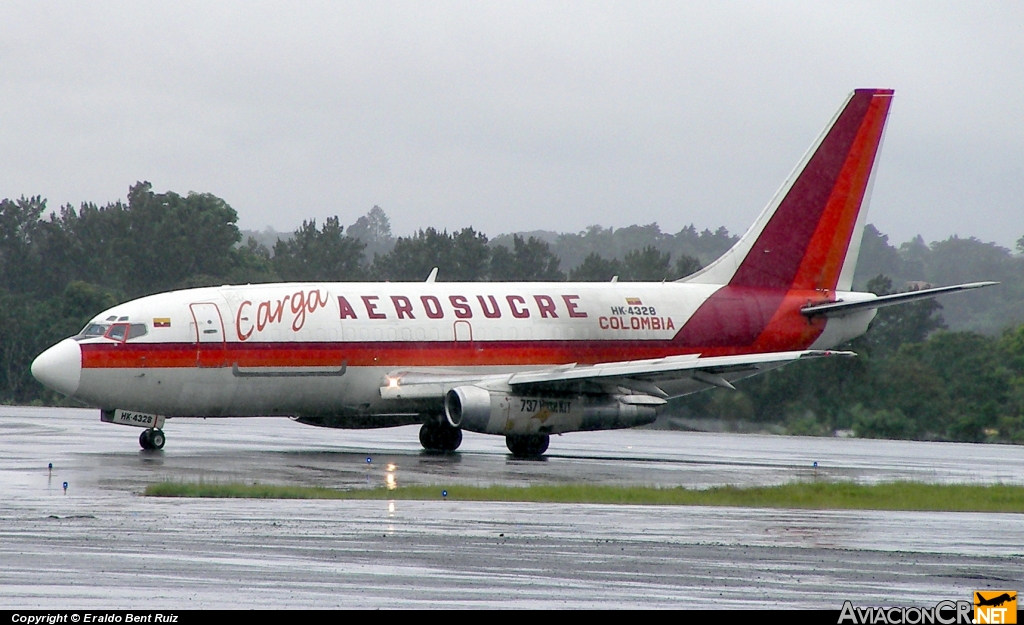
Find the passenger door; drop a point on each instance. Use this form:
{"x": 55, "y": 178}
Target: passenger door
{"x": 211, "y": 350}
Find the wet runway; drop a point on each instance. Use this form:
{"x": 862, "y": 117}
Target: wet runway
{"x": 101, "y": 545}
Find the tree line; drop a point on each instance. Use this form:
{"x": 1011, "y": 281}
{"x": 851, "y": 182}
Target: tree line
{"x": 368, "y": 251}
{"x": 915, "y": 378}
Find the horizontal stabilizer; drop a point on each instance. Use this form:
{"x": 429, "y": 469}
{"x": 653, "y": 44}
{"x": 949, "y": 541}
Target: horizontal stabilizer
{"x": 840, "y": 308}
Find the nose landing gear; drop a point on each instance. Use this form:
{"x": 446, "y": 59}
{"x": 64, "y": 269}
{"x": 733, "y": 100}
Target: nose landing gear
{"x": 152, "y": 439}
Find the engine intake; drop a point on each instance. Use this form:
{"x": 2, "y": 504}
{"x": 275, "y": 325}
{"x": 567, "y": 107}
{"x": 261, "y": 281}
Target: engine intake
{"x": 468, "y": 407}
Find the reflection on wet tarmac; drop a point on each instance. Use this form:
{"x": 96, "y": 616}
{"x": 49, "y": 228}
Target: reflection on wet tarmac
{"x": 83, "y": 549}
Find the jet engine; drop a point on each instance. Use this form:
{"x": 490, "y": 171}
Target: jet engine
{"x": 494, "y": 412}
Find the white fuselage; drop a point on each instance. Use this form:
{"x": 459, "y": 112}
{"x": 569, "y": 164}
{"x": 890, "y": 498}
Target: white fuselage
{"x": 325, "y": 348}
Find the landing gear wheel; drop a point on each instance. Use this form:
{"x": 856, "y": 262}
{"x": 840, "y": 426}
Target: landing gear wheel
{"x": 527, "y": 445}
{"x": 152, "y": 439}
{"x": 440, "y": 438}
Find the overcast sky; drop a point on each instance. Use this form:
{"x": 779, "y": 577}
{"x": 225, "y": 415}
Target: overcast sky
{"x": 512, "y": 116}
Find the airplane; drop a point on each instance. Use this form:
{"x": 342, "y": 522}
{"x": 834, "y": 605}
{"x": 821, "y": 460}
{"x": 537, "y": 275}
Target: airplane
{"x": 520, "y": 360}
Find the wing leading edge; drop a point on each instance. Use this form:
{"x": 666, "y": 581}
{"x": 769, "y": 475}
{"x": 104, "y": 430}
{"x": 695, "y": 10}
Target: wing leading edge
{"x": 641, "y": 376}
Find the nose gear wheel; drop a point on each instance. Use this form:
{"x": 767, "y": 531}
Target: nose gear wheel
{"x": 152, "y": 439}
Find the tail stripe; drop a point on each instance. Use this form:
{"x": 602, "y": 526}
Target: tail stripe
{"x": 797, "y": 249}
{"x": 827, "y": 249}
{"x": 807, "y": 236}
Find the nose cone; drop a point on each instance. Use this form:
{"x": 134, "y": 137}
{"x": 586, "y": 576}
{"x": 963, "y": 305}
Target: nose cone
{"x": 60, "y": 367}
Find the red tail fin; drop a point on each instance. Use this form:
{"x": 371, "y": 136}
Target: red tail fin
{"x": 809, "y": 235}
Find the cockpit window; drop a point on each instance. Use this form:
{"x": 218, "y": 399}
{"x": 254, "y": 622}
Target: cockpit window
{"x": 92, "y": 331}
{"x": 125, "y": 331}
{"x": 118, "y": 331}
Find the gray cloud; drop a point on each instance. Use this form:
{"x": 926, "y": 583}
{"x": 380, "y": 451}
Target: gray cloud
{"x": 511, "y": 116}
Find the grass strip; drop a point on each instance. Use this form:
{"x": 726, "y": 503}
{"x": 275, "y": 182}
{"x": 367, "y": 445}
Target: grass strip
{"x": 811, "y": 495}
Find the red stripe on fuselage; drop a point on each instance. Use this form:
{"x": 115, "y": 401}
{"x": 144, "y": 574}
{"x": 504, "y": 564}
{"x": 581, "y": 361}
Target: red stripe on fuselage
{"x": 747, "y": 321}
{"x": 382, "y": 354}
{"x": 735, "y": 324}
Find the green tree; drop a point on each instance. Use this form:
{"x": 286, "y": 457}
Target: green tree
{"x": 595, "y": 268}
{"x": 373, "y": 229}
{"x": 318, "y": 255}
{"x": 573, "y": 248}
{"x": 461, "y": 256}
{"x": 20, "y": 262}
{"x": 686, "y": 265}
{"x": 646, "y": 265}
{"x": 169, "y": 238}
{"x": 970, "y": 367}
{"x": 640, "y": 265}
{"x": 957, "y": 260}
{"x": 92, "y": 245}
{"x": 470, "y": 258}
{"x": 882, "y": 423}
{"x": 254, "y": 264}
{"x": 24, "y": 333}
{"x": 79, "y": 303}
{"x": 529, "y": 261}
{"x": 915, "y": 254}
{"x": 895, "y": 325}
{"x": 705, "y": 245}
{"x": 1011, "y": 349}
{"x": 877, "y": 257}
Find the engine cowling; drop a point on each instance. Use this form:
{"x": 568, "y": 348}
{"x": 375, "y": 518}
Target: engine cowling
{"x": 493, "y": 412}
{"x": 468, "y": 407}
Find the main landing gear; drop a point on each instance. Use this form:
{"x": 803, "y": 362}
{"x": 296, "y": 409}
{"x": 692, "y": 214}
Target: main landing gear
{"x": 527, "y": 445}
{"x": 440, "y": 437}
{"x": 152, "y": 439}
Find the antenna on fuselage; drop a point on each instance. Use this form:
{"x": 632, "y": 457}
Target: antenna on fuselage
{"x": 433, "y": 276}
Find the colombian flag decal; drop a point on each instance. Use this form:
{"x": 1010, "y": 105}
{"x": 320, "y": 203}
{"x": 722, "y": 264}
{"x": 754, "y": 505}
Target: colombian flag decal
{"x": 161, "y": 322}
{"x": 633, "y": 301}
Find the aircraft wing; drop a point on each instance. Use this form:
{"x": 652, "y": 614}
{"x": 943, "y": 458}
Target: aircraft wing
{"x": 709, "y": 370}
{"x": 639, "y": 376}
